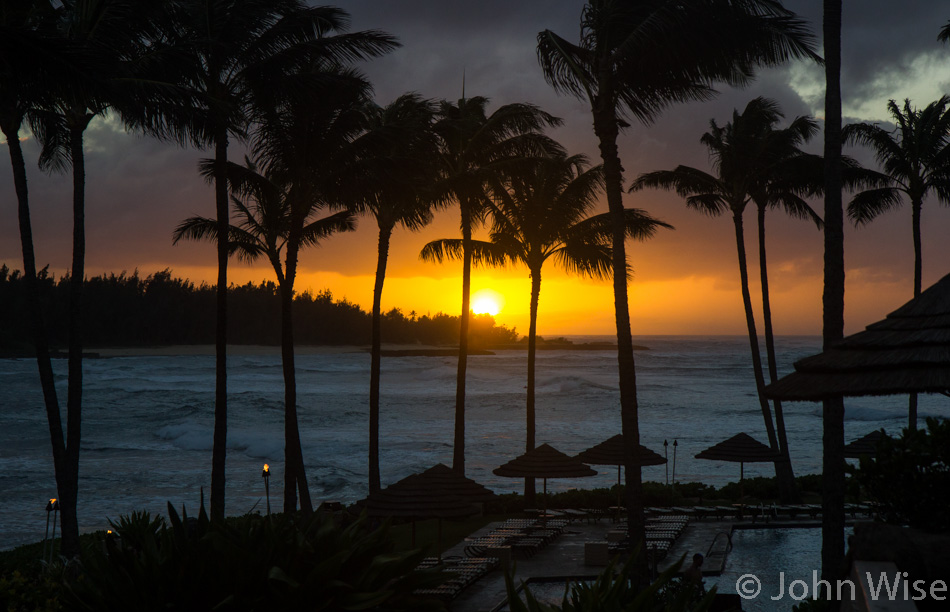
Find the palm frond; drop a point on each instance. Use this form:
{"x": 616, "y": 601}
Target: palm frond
{"x": 867, "y": 205}
{"x": 315, "y": 231}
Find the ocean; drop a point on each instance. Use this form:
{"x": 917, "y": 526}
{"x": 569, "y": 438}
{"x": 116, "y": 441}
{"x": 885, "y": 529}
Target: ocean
{"x": 147, "y": 422}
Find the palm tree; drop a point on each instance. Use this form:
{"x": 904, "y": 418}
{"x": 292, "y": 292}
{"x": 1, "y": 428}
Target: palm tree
{"x": 38, "y": 67}
{"x": 471, "y": 143}
{"x": 110, "y": 36}
{"x": 916, "y": 163}
{"x": 236, "y": 50}
{"x": 833, "y": 485}
{"x": 397, "y": 166}
{"x": 541, "y": 211}
{"x": 265, "y": 209}
{"x": 752, "y": 161}
{"x": 638, "y": 58}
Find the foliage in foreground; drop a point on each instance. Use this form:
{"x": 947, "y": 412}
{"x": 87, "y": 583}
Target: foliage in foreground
{"x": 618, "y": 591}
{"x": 279, "y": 562}
{"x": 910, "y": 477}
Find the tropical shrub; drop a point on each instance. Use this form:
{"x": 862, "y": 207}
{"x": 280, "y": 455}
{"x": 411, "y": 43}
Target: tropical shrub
{"x": 618, "y": 591}
{"x": 279, "y": 562}
{"x": 910, "y": 477}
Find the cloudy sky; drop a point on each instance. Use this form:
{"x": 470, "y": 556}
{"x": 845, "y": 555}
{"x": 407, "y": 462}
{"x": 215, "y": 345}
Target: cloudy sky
{"x": 686, "y": 281}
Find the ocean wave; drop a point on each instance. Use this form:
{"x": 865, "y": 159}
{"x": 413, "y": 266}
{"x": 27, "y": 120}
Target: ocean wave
{"x": 566, "y": 384}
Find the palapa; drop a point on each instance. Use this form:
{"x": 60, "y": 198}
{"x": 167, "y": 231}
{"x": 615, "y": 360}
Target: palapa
{"x": 907, "y": 352}
{"x": 441, "y": 476}
{"x": 545, "y": 462}
{"x": 740, "y": 448}
{"x": 611, "y": 452}
{"x": 865, "y": 446}
{"x": 416, "y": 497}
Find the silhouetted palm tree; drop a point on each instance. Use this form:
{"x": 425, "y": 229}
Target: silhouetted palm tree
{"x": 265, "y": 208}
{"x": 236, "y": 51}
{"x": 471, "y": 143}
{"x": 396, "y": 170}
{"x": 37, "y": 68}
{"x": 944, "y": 35}
{"x": 638, "y": 58}
{"x": 916, "y": 162}
{"x": 915, "y": 159}
{"x": 109, "y": 37}
{"x": 540, "y": 211}
{"x": 752, "y": 161}
{"x": 832, "y": 521}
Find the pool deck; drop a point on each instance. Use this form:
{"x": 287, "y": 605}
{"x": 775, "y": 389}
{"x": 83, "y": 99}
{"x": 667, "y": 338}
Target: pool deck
{"x": 565, "y": 556}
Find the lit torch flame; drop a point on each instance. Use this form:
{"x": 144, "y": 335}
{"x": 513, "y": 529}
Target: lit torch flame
{"x": 266, "y": 472}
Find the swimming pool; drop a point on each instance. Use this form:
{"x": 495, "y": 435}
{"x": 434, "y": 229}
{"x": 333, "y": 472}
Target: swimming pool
{"x": 777, "y": 557}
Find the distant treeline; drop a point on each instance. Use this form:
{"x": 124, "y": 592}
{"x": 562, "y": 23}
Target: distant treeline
{"x": 128, "y": 310}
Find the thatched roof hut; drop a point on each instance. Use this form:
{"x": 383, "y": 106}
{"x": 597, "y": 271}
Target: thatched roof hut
{"x": 865, "y": 446}
{"x": 610, "y": 452}
{"x": 907, "y": 352}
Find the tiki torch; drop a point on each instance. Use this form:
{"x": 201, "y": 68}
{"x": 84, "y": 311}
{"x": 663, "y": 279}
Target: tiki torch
{"x": 52, "y": 507}
{"x": 673, "y": 483}
{"x": 266, "y": 475}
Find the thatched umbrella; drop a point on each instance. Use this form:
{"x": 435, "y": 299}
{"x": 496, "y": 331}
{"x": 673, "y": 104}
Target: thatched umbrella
{"x": 907, "y": 352}
{"x": 740, "y": 448}
{"x": 611, "y": 452}
{"x": 865, "y": 446}
{"x": 545, "y": 462}
{"x": 417, "y": 497}
{"x": 444, "y": 478}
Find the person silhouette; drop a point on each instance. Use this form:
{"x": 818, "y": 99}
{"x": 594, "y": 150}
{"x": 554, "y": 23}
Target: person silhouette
{"x": 694, "y": 573}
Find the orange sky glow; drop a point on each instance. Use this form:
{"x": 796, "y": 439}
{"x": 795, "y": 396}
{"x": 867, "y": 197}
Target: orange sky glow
{"x": 685, "y": 281}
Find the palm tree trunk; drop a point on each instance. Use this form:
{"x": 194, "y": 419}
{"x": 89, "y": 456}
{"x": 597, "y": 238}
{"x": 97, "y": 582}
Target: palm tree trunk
{"x": 918, "y": 259}
{"x": 37, "y": 328}
{"x": 606, "y": 129}
{"x": 220, "y": 442}
{"x": 918, "y": 270}
{"x": 458, "y": 457}
{"x": 374, "y": 366}
{"x": 69, "y": 492}
{"x": 832, "y": 522}
{"x": 753, "y": 337}
{"x": 529, "y": 492}
{"x": 295, "y": 478}
{"x": 788, "y": 492}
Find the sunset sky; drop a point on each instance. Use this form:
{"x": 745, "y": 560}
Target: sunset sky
{"x": 686, "y": 281}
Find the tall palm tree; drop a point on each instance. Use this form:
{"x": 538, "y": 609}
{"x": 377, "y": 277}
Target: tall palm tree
{"x": 832, "y": 501}
{"x": 236, "y": 50}
{"x": 637, "y": 58}
{"x": 540, "y": 211}
{"x": 916, "y": 163}
{"x": 110, "y": 37}
{"x": 264, "y": 206}
{"x": 471, "y": 143}
{"x": 751, "y": 160}
{"x": 38, "y": 67}
{"x": 396, "y": 169}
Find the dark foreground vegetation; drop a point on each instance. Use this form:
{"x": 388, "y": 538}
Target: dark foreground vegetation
{"x": 161, "y": 309}
{"x": 339, "y": 561}
{"x": 326, "y": 561}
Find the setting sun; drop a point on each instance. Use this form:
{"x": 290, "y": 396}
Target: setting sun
{"x": 487, "y": 301}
